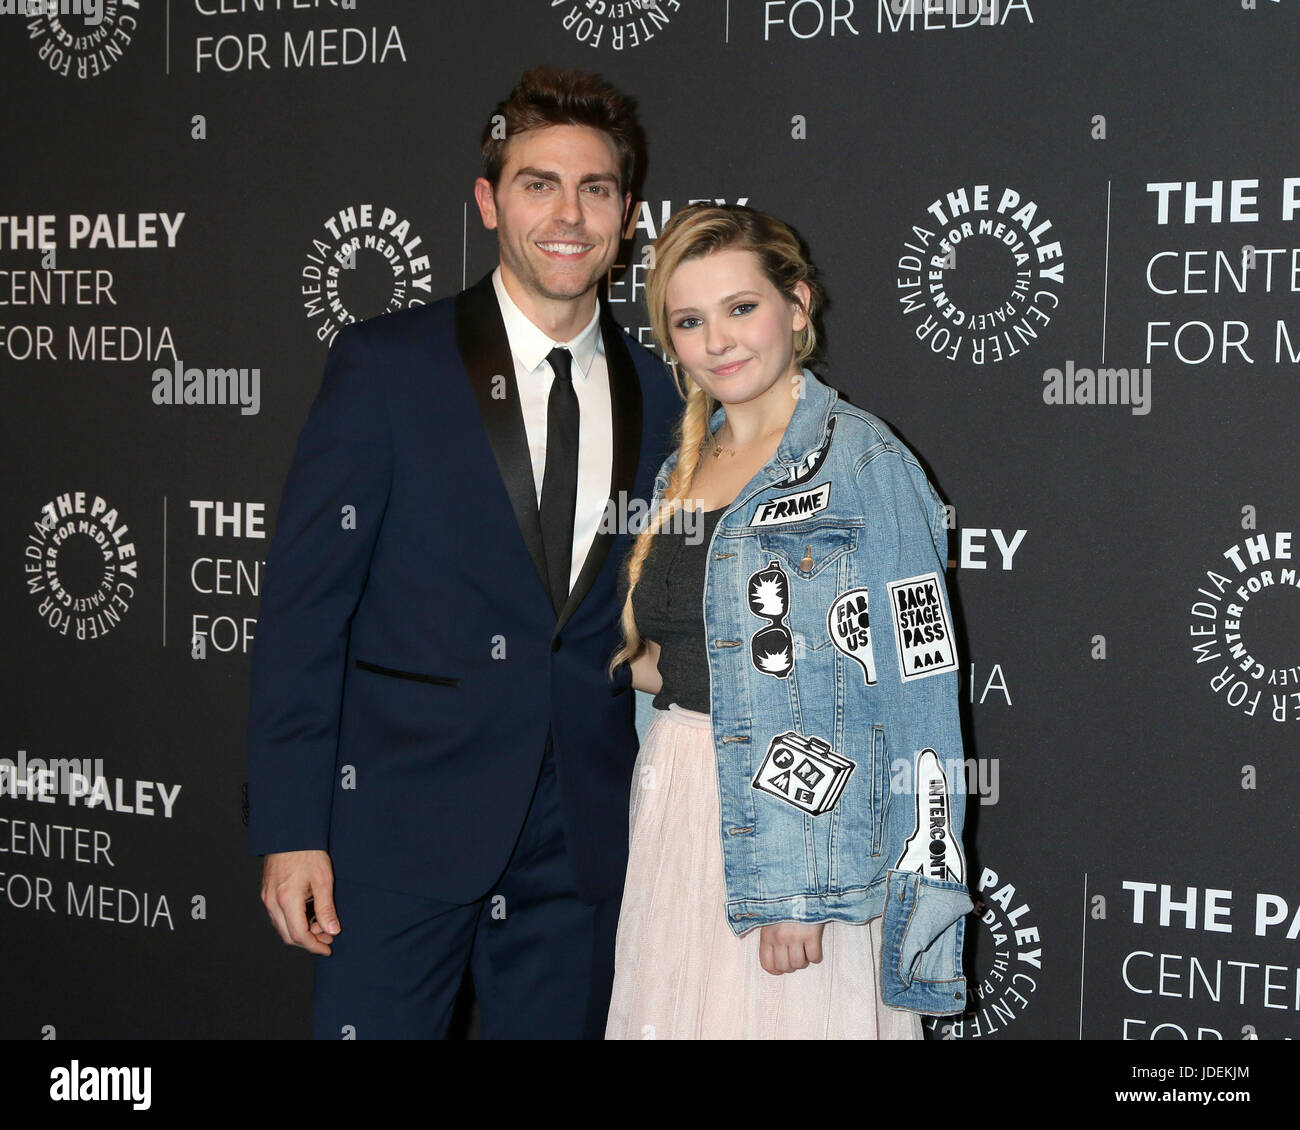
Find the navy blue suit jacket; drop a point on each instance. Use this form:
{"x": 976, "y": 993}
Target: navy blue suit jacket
{"x": 408, "y": 664}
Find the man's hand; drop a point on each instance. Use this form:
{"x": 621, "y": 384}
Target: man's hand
{"x": 784, "y": 947}
{"x": 291, "y": 879}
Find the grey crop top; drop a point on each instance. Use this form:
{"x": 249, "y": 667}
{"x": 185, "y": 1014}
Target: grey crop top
{"x": 668, "y": 603}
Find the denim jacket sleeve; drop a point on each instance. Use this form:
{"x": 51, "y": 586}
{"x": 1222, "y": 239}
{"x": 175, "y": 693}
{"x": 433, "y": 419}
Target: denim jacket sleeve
{"x": 928, "y": 899}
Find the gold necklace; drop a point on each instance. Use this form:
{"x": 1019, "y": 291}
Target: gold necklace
{"x": 718, "y": 449}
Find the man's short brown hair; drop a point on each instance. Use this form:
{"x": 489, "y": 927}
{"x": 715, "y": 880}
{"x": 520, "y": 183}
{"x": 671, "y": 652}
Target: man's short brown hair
{"x": 547, "y": 96}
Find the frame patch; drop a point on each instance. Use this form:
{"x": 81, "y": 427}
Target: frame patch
{"x": 804, "y": 772}
{"x": 792, "y": 507}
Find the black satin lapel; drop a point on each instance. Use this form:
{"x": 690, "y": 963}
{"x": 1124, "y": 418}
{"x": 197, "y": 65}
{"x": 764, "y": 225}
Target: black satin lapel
{"x": 485, "y": 351}
{"x": 625, "y": 410}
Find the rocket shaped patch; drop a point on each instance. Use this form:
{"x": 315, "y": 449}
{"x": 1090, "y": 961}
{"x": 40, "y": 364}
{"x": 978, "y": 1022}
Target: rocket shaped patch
{"x": 931, "y": 849}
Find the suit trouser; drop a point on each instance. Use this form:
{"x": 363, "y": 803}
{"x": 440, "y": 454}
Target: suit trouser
{"x": 542, "y": 960}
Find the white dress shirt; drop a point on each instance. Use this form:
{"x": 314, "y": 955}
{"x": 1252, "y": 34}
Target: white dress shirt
{"x": 533, "y": 376}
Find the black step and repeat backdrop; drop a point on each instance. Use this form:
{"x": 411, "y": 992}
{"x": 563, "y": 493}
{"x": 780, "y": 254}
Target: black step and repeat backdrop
{"x": 1062, "y": 242}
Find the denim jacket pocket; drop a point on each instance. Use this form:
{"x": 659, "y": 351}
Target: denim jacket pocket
{"x": 809, "y": 554}
{"x": 807, "y": 549}
{"x": 880, "y": 790}
{"x": 921, "y": 955}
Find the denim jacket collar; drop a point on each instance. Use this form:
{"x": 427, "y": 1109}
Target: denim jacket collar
{"x": 805, "y": 431}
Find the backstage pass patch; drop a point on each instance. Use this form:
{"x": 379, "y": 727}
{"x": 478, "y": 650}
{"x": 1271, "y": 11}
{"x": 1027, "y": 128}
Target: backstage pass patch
{"x": 922, "y": 628}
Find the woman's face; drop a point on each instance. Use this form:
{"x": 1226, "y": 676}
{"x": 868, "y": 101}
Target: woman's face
{"x": 730, "y": 327}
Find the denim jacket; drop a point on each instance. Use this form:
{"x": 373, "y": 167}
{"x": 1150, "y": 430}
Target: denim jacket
{"x": 833, "y": 697}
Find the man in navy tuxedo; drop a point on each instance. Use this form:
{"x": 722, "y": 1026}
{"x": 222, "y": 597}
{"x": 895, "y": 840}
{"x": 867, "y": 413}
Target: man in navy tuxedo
{"x": 439, "y": 762}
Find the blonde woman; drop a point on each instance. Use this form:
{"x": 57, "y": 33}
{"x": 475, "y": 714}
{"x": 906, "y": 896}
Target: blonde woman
{"x": 796, "y": 868}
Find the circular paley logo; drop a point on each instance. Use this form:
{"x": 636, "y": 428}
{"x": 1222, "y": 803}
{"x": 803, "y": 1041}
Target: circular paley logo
{"x": 77, "y": 39}
{"x": 1245, "y": 627}
{"x": 617, "y": 24}
{"x": 80, "y": 566}
{"x": 364, "y": 261}
{"x": 979, "y": 277}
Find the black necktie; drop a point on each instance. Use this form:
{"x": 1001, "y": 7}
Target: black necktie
{"x": 560, "y": 481}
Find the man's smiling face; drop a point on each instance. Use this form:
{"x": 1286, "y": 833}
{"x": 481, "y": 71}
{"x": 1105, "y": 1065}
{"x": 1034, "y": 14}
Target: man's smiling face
{"x": 557, "y": 211}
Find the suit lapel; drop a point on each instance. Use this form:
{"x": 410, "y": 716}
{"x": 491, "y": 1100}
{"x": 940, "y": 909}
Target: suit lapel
{"x": 625, "y": 410}
{"x": 485, "y": 351}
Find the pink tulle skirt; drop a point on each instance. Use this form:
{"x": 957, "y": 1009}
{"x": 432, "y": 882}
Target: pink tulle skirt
{"x": 680, "y": 973}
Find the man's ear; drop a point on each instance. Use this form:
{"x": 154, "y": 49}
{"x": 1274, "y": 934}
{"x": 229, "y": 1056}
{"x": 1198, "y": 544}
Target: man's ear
{"x": 627, "y": 210}
{"x": 486, "y": 201}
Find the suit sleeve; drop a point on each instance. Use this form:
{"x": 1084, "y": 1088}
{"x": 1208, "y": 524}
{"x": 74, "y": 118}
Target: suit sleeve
{"x": 329, "y": 518}
{"x": 923, "y": 931}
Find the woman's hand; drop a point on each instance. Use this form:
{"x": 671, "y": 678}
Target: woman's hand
{"x": 645, "y": 668}
{"x": 784, "y": 947}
